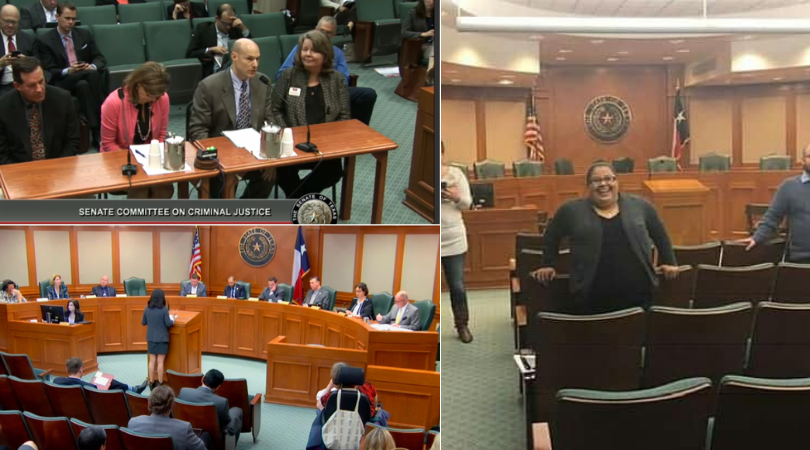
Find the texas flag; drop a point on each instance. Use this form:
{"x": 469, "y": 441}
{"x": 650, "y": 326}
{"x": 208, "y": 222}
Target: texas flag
{"x": 300, "y": 268}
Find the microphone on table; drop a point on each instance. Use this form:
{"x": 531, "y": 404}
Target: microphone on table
{"x": 307, "y": 146}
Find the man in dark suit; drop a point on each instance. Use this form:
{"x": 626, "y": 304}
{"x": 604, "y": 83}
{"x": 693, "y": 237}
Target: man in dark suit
{"x": 233, "y": 290}
{"x": 209, "y": 43}
{"x": 316, "y": 296}
{"x": 13, "y": 41}
{"x": 271, "y": 293}
{"x": 23, "y": 113}
{"x": 37, "y": 15}
{"x": 75, "y": 372}
{"x": 103, "y": 289}
{"x": 230, "y": 419}
{"x": 161, "y": 400}
{"x": 184, "y": 9}
{"x": 74, "y": 61}
{"x": 195, "y": 287}
{"x": 218, "y": 107}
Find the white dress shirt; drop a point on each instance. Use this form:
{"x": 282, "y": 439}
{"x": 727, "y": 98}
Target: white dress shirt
{"x": 7, "y": 77}
{"x": 50, "y": 16}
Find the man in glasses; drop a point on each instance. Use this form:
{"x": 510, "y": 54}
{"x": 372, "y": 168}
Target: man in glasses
{"x": 210, "y": 41}
{"x": 611, "y": 238}
{"x": 15, "y": 45}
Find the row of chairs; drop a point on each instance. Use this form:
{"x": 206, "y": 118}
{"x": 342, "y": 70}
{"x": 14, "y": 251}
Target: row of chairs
{"x": 409, "y": 439}
{"x": 751, "y": 414}
{"x": 20, "y": 366}
{"x": 730, "y": 253}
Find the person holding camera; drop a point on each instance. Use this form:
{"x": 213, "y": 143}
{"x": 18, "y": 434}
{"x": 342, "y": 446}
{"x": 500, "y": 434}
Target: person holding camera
{"x": 455, "y": 199}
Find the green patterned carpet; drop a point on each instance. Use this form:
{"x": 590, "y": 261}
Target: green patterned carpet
{"x": 481, "y": 405}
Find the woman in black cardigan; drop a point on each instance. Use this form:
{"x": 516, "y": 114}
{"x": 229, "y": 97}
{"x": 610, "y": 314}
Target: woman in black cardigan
{"x": 611, "y": 239}
{"x": 157, "y": 320}
{"x": 361, "y": 305}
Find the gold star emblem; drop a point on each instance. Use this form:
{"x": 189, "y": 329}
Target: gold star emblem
{"x": 256, "y": 247}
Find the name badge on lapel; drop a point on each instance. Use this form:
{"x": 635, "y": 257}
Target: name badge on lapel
{"x": 294, "y": 91}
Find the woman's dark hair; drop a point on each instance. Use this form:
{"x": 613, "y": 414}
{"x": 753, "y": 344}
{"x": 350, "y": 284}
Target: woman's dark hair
{"x": 6, "y": 283}
{"x": 158, "y": 299}
{"x": 363, "y": 288}
{"x": 75, "y": 303}
{"x": 593, "y": 167}
{"x": 421, "y": 9}
{"x": 161, "y": 399}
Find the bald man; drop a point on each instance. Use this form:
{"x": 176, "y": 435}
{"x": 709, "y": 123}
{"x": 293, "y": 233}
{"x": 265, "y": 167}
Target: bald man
{"x": 103, "y": 289}
{"x": 12, "y": 42}
{"x": 403, "y": 315}
{"x": 234, "y": 99}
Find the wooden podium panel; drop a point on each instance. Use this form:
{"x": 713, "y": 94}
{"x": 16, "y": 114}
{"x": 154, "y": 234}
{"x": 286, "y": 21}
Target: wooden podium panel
{"x": 419, "y": 195}
{"x": 185, "y": 343}
{"x": 411, "y": 396}
{"x": 49, "y": 345}
{"x": 681, "y": 204}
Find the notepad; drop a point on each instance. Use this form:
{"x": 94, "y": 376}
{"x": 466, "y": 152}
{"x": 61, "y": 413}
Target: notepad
{"x": 102, "y": 380}
{"x": 90, "y": 296}
{"x": 222, "y": 297}
{"x": 283, "y": 303}
{"x": 42, "y": 299}
{"x": 253, "y": 299}
{"x": 192, "y": 295}
{"x": 121, "y": 295}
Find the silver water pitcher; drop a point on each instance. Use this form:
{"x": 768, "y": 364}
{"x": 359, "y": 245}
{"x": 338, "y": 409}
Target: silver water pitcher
{"x": 270, "y": 142}
{"x": 174, "y": 153}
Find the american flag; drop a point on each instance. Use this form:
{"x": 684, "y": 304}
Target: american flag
{"x": 195, "y": 266}
{"x": 532, "y": 138}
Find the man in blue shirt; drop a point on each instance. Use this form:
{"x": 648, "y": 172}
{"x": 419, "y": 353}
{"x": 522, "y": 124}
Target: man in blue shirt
{"x": 361, "y": 99}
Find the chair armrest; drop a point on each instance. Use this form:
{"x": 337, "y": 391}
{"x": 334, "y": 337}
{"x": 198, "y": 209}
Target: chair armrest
{"x": 353, "y": 80}
{"x": 325, "y": 11}
{"x": 256, "y": 399}
{"x": 45, "y": 374}
{"x": 256, "y": 412}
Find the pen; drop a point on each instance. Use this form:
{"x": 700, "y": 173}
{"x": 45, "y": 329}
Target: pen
{"x": 142, "y": 155}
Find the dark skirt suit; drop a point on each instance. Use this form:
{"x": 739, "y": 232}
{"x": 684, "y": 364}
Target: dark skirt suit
{"x": 611, "y": 267}
{"x": 367, "y": 310}
{"x": 157, "y": 323}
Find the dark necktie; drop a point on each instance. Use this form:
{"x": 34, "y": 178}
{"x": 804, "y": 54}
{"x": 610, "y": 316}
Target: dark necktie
{"x": 35, "y": 125}
{"x": 243, "y": 119}
{"x": 11, "y": 46}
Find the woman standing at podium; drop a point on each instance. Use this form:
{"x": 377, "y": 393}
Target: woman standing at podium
{"x": 57, "y": 290}
{"x": 75, "y": 314}
{"x": 157, "y": 320}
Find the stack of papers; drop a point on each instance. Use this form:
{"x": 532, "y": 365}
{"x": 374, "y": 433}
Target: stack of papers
{"x": 388, "y": 72}
{"x": 143, "y": 160}
{"x": 387, "y": 327}
{"x": 250, "y": 140}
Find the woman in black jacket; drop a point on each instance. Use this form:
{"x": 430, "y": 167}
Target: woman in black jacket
{"x": 157, "y": 320}
{"x": 361, "y": 305}
{"x": 74, "y": 313}
{"x": 419, "y": 24}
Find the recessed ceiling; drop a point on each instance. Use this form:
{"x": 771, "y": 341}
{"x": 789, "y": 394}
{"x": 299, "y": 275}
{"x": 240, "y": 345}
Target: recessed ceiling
{"x": 653, "y": 8}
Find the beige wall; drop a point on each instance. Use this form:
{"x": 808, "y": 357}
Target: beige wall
{"x": 711, "y": 126}
{"x": 95, "y": 256}
{"x": 419, "y": 265}
{"x": 175, "y": 253}
{"x": 135, "y": 248}
{"x": 458, "y": 130}
{"x": 339, "y": 255}
{"x": 379, "y": 261}
{"x": 505, "y": 121}
{"x": 763, "y": 127}
{"x": 52, "y": 249}
{"x": 14, "y": 263}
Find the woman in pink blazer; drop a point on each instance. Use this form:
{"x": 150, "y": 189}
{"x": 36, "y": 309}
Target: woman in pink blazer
{"x": 137, "y": 113}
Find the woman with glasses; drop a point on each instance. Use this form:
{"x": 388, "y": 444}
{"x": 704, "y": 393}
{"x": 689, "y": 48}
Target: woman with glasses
{"x": 611, "y": 238}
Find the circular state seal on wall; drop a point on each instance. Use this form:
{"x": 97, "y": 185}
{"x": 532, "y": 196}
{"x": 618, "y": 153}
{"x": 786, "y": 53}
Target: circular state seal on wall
{"x": 257, "y": 247}
{"x": 314, "y": 209}
{"x": 607, "y": 118}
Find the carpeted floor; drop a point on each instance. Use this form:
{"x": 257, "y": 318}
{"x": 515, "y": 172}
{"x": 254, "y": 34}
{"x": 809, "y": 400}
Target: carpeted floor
{"x": 481, "y": 405}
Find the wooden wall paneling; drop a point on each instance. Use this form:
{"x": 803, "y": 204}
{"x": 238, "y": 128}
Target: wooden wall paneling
{"x": 413, "y": 395}
{"x": 114, "y": 322}
{"x": 156, "y": 256}
{"x": 333, "y": 335}
{"x": 398, "y": 264}
{"x": 246, "y": 329}
{"x": 358, "y": 261}
{"x": 270, "y": 328}
{"x": 791, "y": 122}
{"x": 293, "y": 328}
{"x": 481, "y": 129}
{"x": 715, "y": 197}
{"x": 737, "y": 194}
{"x": 116, "y": 261}
{"x": 219, "y": 326}
{"x": 315, "y": 329}
{"x": 32, "y": 260}
{"x": 74, "y": 258}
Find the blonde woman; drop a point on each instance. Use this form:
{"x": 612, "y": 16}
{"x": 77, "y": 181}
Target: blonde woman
{"x": 57, "y": 290}
{"x": 379, "y": 439}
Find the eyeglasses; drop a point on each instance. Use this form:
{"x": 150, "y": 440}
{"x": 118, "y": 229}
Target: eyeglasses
{"x": 9, "y": 22}
{"x": 606, "y": 180}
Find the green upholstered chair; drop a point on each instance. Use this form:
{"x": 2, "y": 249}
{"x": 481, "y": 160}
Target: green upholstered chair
{"x": 245, "y": 285}
{"x": 141, "y": 12}
{"x": 135, "y": 287}
{"x": 185, "y": 72}
{"x": 714, "y": 162}
{"x": 384, "y": 37}
{"x": 19, "y": 3}
{"x": 288, "y": 43}
{"x": 623, "y": 165}
{"x": 527, "y": 168}
{"x": 97, "y": 15}
{"x": 774, "y": 162}
{"x": 265, "y": 25}
{"x": 308, "y": 14}
{"x": 287, "y": 290}
{"x": 271, "y": 60}
{"x": 489, "y": 169}
{"x": 382, "y": 302}
{"x": 240, "y": 6}
{"x": 133, "y": 439}
{"x": 20, "y": 366}
{"x": 80, "y": 4}
{"x": 403, "y": 9}
{"x": 197, "y": 20}
{"x": 563, "y": 166}
{"x": 662, "y": 164}
{"x": 332, "y": 298}
{"x": 43, "y": 288}
{"x": 121, "y": 45}
{"x": 427, "y": 309}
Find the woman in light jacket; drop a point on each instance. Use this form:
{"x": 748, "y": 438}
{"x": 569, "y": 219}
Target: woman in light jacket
{"x": 57, "y": 290}
{"x": 157, "y": 320}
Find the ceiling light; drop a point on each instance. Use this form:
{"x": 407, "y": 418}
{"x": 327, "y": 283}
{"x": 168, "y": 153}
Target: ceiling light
{"x": 506, "y": 82}
{"x": 612, "y": 59}
{"x": 622, "y": 52}
{"x": 667, "y": 58}
{"x": 624, "y": 25}
{"x": 778, "y": 78}
{"x": 565, "y": 50}
{"x": 455, "y": 80}
{"x": 683, "y": 50}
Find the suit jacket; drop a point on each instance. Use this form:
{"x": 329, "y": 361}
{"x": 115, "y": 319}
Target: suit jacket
{"x": 275, "y": 297}
{"x": 25, "y": 43}
{"x": 290, "y": 110}
{"x": 54, "y": 58}
{"x": 185, "y": 289}
{"x": 320, "y": 299}
{"x": 181, "y": 432}
{"x": 199, "y": 11}
{"x": 367, "y": 310}
{"x": 238, "y": 291}
{"x": 60, "y": 126}
{"x": 79, "y": 316}
{"x": 410, "y": 318}
{"x": 204, "y": 395}
{"x": 413, "y": 26}
{"x": 205, "y": 36}
{"x": 97, "y": 291}
{"x": 157, "y": 322}
{"x": 63, "y": 292}
{"x": 214, "y": 108}
{"x": 32, "y": 16}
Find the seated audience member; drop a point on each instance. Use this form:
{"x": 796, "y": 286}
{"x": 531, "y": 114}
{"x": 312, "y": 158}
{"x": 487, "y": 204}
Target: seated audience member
{"x": 209, "y": 43}
{"x": 28, "y": 445}
{"x": 311, "y": 92}
{"x": 22, "y": 115}
{"x": 378, "y": 414}
{"x": 316, "y": 296}
{"x": 230, "y": 419}
{"x": 272, "y": 293}
{"x": 74, "y": 313}
{"x": 379, "y": 439}
{"x": 161, "y": 400}
{"x": 361, "y": 99}
{"x": 57, "y": 289}
{"x": 418, "y": 24}
{"x": 210, "y": 115}
{"x": 13, "y": 41}
{"x": 38, "y": 14}
{"x": 403, "y": 314}
{"x": 195, "y": 287}
{"x": 103, "y": 289}
{"x": 10, "y": 294}
{"x": 137, "y": 113}
{"x": 233, "y": 290}
{"x": 74, "y": 61}
{"x": 185, "y": 9}
{"x": 75, "y": 370}
{"x": 361, "y": 305}
{"x": 347, "y": 15}
{"x": 92, "y": 438}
